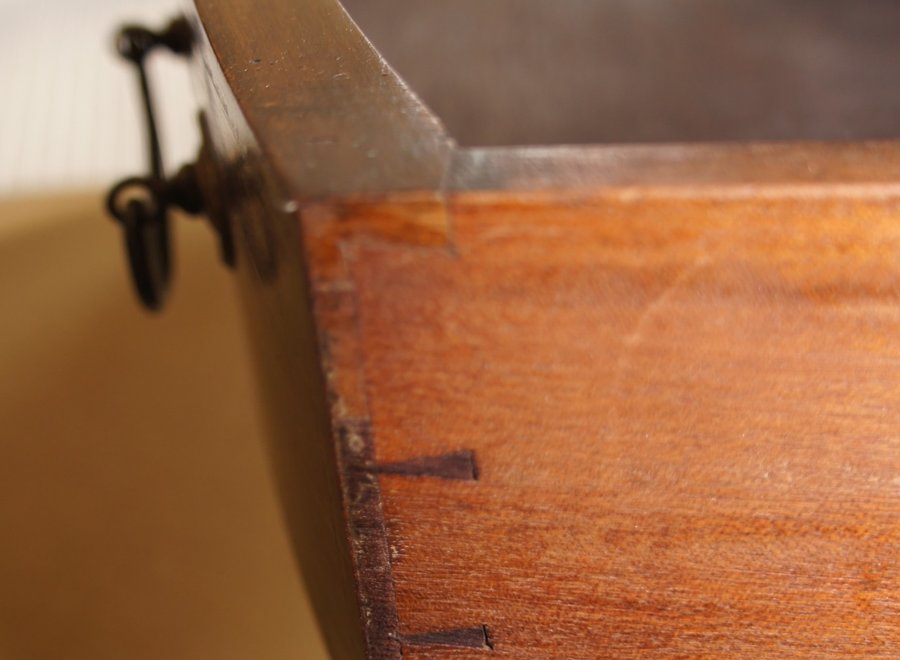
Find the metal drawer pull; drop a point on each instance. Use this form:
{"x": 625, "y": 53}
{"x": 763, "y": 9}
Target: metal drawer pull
{"x": 141, "y": 203}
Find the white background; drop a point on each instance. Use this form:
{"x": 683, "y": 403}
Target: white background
{"x": 69, "y": 112}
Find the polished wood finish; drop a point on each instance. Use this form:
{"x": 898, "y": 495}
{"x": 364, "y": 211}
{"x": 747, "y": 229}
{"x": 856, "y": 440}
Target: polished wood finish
{"x": 561, "y": 402}
{"x": 330, "y": 114}
{"x": 679, "y": 399}
{"x": 280, "y": 326}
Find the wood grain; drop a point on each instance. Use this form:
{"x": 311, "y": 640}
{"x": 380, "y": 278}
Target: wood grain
{"x": 331, "y": 115}
{"x": 671, "y": 370}
{"x": 683, "y": 407}
{"x": 740, "y": 169}
{"x": 301, "y": 441}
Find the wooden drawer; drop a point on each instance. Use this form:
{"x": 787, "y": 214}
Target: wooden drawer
{"x": 575, "y": 401}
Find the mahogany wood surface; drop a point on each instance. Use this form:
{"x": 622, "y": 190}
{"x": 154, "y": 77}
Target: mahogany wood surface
{"x": 679, "y": 405}
{"x": 567, "y": 402}
{"x": 330, "y": 114}
{"x": 280, "y": 327}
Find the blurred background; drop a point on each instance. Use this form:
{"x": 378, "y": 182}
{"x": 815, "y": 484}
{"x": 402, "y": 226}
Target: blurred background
{"x": 137, "y": 518}
{"x": 70, "y": 116}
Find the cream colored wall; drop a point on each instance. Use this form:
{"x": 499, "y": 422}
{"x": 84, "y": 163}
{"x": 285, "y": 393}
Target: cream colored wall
{"x": 137, "y": 519}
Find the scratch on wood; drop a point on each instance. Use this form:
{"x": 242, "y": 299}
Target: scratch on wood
{"x": 467, "y": 638}
{"x": 665, "y": 298}
{"x": 459, "y": 465}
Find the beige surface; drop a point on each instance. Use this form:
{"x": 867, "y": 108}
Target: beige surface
{"x": 136, "y": 514}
